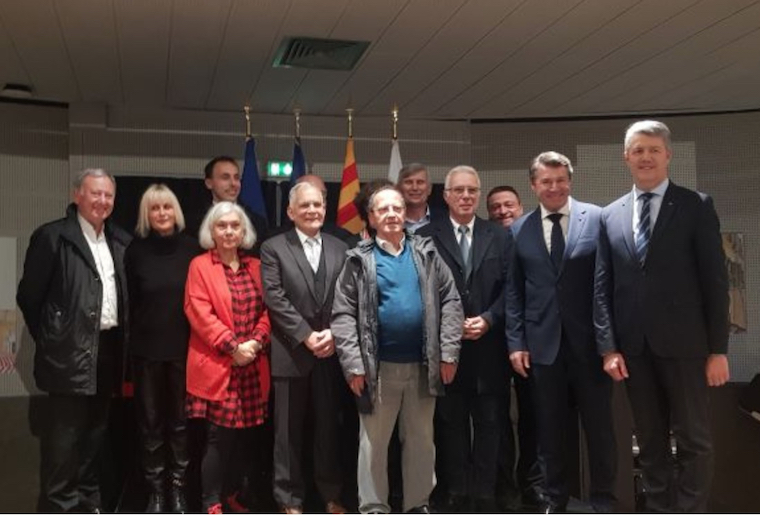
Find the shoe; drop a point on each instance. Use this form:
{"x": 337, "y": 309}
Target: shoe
{"x": 291, "y": 509}
{"x": 215, "y": 508}
{"x": 455, "y": 503}
{"x": 532, "y": 498}
{"x": 550, "y": 507}
{"x": 233, "y": 503}
{"x": 177, "y": 501}
{"x": 484, "y": 505}
{"x": 420, "y": 509}
{"x": 334, "y": 507}
{"x": 155, "y": 503}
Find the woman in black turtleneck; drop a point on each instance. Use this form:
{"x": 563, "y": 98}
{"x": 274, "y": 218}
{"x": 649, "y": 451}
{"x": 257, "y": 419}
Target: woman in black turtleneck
{"x": 156, "y": 264}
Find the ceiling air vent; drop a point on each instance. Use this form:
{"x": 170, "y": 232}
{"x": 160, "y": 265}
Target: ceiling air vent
{"x": 319, "y": 54}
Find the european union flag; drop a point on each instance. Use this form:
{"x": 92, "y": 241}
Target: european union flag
{"x": 299, "y": 163}
{"x": 250, "y": 188}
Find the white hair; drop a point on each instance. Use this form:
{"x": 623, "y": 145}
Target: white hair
{"x": 217, "y": 211}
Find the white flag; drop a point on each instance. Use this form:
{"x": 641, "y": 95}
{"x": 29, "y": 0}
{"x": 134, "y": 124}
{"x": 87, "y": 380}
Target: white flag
{"x": 395, "y": 166}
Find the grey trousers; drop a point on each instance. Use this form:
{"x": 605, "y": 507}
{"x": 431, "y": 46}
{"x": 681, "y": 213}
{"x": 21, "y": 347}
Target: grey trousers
{"x": 402, "y": 394}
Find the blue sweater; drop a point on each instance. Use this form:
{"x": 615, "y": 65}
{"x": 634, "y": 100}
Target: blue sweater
{"x": 400, "y": 310}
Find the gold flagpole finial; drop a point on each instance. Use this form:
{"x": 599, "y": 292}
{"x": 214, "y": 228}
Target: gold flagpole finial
{"x": 297, "y": 114}
{"x": 247, "y": 110}
{"x": 350, "y": 112}
{"x": 394, "y": 112}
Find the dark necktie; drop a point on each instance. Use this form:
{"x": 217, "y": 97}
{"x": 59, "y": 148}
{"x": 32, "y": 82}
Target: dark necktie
{"x": 464, "y": 247}
{"x": 643, "y": 232}
{"x": 557, "y": 240}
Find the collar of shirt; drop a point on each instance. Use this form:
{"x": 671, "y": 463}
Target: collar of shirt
{"x": 547, "y": 225}
{"x": 564, "y": 210}
{"x": 470, "y": 225}
{"x": 302, "y": 237}
{"x": 388, "y": 246}
{"x": 654, "y": 205}
{"x": 658, "y": 190}
{"x": 89, "y": 231}
{"x": 424, "y": 220}
{"x": 243, "y": 259}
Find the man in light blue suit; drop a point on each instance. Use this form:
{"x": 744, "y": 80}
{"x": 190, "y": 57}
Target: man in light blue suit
{"x": 550, "y": 330}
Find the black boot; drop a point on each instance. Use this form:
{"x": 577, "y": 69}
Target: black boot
{"x": 155, "y": 502}
{"x": 177, "y": 501}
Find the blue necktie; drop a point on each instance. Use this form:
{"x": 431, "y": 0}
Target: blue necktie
{"x": 464, "y": 247}
{"x": 643, "y": 233}
{"x": 557, "y": 240}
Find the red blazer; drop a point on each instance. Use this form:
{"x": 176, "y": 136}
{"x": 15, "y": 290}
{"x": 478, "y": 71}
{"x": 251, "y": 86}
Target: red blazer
{"x": 208, "y": 306}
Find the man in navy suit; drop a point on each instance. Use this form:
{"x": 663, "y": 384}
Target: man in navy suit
{"x": 550, "y": 330}
{"x": 476, "y": 251}
{"x": 661, "y": 316}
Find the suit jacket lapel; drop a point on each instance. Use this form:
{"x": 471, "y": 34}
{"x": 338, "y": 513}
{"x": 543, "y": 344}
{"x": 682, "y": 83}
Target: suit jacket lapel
{"x": 576, "y": 222}
{"x": 481, "y": 240}
{"x": 626, "y": 219}
{"x": 449, "y": 241}
{"x": 667, "y": 209}
{"x": 332, "y": 257}
{"x": 535, "y": 226}
{"x": 299, "y": 256}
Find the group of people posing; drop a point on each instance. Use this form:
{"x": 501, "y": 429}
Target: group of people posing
{"x": 426, "y": 324}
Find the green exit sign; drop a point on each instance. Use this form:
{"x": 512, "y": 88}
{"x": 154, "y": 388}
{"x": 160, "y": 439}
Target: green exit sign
{"x": 279, "y": 169}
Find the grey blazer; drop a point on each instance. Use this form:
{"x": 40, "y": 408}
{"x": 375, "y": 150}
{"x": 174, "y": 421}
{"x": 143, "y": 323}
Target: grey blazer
{"x": 291, "y": 297}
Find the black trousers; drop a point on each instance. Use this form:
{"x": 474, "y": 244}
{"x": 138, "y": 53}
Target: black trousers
{"x": 591, "y": 388}
{"x": 672, "y": 394}
{"x": 220, "y": 463}
{"x": 518, "y": 467}
{"x": 73, "y": 437}
{"x": 470, "y": 457}
{"x": 315, "y": 398}
{"x": 160, "y": 406}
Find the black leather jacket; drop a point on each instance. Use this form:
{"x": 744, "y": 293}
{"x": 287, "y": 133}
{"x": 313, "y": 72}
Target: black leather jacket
{"x": 60, "y": 296}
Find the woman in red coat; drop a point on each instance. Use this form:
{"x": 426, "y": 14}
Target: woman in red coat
{"x": 227, "y": 365}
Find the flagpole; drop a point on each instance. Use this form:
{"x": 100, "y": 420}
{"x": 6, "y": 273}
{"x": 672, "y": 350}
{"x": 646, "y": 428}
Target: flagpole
{"x": 350, "y": 112}
{"x": 297, "y": 114}
{"x": 247, "y": 110}
{"x": 394, "y": 132}
{"x": 395, "y": 165}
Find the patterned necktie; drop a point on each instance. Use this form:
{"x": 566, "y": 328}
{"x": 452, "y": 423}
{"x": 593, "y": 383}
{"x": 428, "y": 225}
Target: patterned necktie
{"x": 464, "y": 247}
{"x": 312, "y": 253}
{"x": 643, "y": 232}
{"x": 557, "y": 240}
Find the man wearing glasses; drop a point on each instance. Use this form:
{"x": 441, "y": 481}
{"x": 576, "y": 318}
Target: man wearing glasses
{"x": 477, "y": 252}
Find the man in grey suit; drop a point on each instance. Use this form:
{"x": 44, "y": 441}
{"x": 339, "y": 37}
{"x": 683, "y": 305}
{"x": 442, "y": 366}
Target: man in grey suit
{"x": 299, "y": 270}
{"x": 661, "y": 316}
{"x": 550, "y": 330}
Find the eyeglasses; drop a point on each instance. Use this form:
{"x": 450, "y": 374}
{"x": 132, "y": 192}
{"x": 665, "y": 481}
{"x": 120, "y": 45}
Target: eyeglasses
{"x": 461, "y": 190}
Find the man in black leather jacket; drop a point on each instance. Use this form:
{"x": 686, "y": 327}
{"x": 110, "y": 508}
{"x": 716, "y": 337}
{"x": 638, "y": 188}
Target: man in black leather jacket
{"x": 74, "y": 300}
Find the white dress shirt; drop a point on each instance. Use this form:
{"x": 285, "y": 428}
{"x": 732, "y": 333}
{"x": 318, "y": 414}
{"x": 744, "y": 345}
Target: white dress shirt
{"x": 312, "y": 250}
{"x": 655, "y": 203}
{"x": 547, "y": 224}
{"x": 109, "y": 313}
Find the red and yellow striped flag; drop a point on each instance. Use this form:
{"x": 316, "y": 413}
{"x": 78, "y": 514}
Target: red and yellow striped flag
{"x": 348, "y": 216}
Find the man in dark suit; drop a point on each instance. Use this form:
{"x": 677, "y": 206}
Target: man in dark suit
{"x": 299, "y": 271}
{"x": 519, "y": 479}
{"x": 661, "y": 316}
{"x": 550, "y": 330}
{"x": 476, "y": 251}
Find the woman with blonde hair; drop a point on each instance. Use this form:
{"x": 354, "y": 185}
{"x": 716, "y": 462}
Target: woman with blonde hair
{"x": 227, "y": 364}
{"x": 156, "y": 265}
